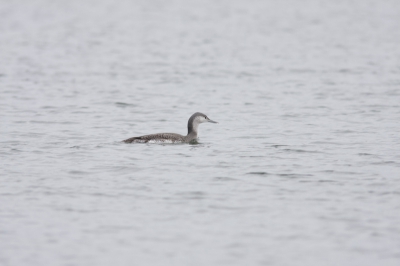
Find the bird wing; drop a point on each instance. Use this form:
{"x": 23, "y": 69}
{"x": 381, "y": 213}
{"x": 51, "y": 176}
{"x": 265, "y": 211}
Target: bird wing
{"x": 156, "y": 137}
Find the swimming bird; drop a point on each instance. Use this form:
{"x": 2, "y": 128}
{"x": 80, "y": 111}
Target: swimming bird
{"x": 193, "y": 124}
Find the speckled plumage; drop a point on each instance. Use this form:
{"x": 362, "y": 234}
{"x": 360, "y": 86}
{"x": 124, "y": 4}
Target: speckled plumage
{"x": 159, "y": 137}
{"x": 193, "y": 123}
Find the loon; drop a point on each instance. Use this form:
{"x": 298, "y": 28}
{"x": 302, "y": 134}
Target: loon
{"x": 194, "y": 121}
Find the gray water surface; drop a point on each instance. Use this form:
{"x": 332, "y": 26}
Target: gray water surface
{"x": 302, "y": 169}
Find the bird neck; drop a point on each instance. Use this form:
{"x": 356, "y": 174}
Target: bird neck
{"x": 193, "y": 128}
{"x": 192, "y": 132}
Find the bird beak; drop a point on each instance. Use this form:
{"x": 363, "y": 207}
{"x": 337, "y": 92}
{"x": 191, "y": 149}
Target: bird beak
{"x": 212, "y": 121}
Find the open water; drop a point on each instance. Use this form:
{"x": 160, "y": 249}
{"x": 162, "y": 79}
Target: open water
{"x": 302, "y": 169}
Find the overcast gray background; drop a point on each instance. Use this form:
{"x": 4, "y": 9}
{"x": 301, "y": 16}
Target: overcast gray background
{"x": 303, "y": 168}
